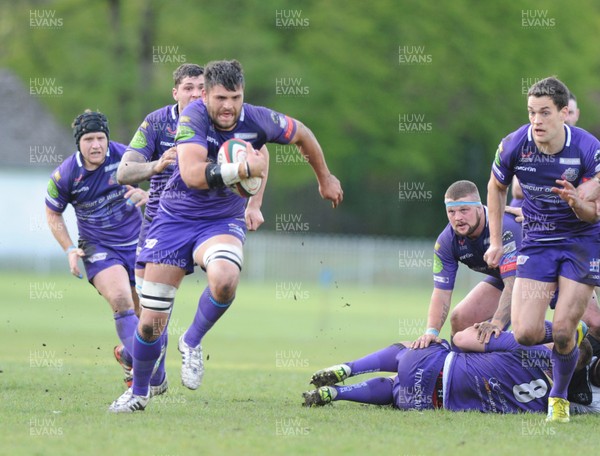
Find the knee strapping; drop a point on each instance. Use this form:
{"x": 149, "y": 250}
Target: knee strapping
{"x": 139, "y": 283}
{"x": 228, "y": 252}
{"x": 158, "y": 297}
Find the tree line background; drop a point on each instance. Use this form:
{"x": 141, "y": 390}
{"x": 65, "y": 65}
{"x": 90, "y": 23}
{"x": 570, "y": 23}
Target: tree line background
{"x": 405, "y": 96}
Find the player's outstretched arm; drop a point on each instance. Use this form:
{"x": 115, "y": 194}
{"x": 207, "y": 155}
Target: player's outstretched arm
{"x": 134, "y": 168}
{"x": 439, "y": 307}
{"x": 467, "y": 340}
{"x": 501, "y": 317}
{"x": 329, "y": 185}
{"x": 57, "y": 226}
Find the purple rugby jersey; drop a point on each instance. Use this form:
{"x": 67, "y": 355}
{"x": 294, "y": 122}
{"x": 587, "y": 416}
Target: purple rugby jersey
{"x": 547, "y": 217}
{"x": 451, "y": 249}
{"x": 103, "y": 215}
{"x": 257, "y": 125}
{"x": 508, "y": 378}
{"x": 153, "y": 138}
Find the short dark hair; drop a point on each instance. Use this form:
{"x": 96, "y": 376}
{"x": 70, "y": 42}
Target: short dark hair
{"x": 553, "y": 88}
{"x": 187, "y": 70}
{"x": 228, "y": 73}
{"x": 461, "y": 189}
{"x": 572, "y": 97}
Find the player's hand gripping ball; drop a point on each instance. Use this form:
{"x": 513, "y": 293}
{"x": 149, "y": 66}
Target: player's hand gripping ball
{"x": 234, "y": 151}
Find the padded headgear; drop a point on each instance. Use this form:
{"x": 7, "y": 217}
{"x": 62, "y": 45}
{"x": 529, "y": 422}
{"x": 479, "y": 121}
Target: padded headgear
{"x": 89, "y": 122}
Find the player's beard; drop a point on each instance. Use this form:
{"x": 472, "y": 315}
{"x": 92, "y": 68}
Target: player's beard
{"x": 472, "y": 228}
{"x": 231, "y": 124}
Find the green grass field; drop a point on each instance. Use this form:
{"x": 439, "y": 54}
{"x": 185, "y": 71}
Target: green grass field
{"x": 58, "y": 377}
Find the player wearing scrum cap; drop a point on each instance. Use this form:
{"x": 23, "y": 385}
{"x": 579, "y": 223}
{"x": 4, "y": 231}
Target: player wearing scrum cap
{"x": 108, "y": 218}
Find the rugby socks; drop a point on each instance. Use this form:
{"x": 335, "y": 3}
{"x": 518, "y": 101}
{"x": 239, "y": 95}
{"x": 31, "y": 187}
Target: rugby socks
{"x": 159, "y": 375}
{"x": 126, "y": 324}
{"x": 383, "y": 360}
{"x": 209, "y": 311}
{"x": 145, "y": 355}
{"x": 562, "y": 371}
{"x": 548, "y": 333}
{"x": 376, "y": 391}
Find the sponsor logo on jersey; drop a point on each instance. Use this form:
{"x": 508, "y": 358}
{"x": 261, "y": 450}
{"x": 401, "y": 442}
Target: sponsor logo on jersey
{"x": 437, "y": 246}
{"x": 570, "y": 174}
{"x": 497, "y": 157}
{"x": 167, "y": 144}
{"x": 97, "y": 257}
{"x": 508, "y": 267}
{"x": 498, "y": 172}
{"x": 522, "y": 259}
{"x": 184, "y": 132}
{"x": 507, "y": 236}
{"x": 52, "y": 189}
{"x": 57, "y": 176}
{"x": 184, "y": 119}
{"x": 139, "y": 140}
{"x": 55, "y": 203}
{"x": 438, "y": 266}
{"x": 597, "y": 155}
{"x": 510, "y": 247}
{"x": 529, "y": 169}
{"x": 441, "y": 279}
{"x": 246, "y": 136}
{"x": 465, "y": 256}
{"x": 569, "y": 161}
{"x": 144, "y": 125}
{"x": 79, "y": 190}
{"x": 595, "y": 265}
{"x": 150, "y": 243}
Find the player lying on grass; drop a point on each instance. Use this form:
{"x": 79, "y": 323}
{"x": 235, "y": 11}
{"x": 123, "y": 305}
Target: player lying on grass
{"x": 501, "y": 376}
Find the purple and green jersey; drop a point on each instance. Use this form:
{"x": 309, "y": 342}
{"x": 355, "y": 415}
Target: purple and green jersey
{"x": 451, "y": 249}
{"x": 256, "y": 125}
{"x": 507, "y": 378}
{"x": 546, "y": 216}
{"x": 103, "y": 215}
{"x": 153, "y": 138}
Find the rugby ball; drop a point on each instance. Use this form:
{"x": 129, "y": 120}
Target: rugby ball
{"x": 234, "y": 151}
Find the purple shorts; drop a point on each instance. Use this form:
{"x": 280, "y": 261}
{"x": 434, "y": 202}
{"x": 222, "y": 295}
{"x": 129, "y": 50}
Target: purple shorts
{"x": 173, "y": 240}
{"x": 495, "y": 282}
{"x": 143, "y": 233}
{"x": 577, "y": 259}
{"x": 99, "y": 257}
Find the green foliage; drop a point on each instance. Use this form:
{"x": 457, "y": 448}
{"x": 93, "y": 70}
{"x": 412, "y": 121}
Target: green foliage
{"x": 466, "y": 94}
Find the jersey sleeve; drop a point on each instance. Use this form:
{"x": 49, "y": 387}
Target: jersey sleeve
{"x": 511, "y": 242}
{"x": 592, "y": 161}
{"x": 445, "y": 265}
{"x": 57, "y": 192}
{"x": 503, "y": 343}
{"x": 192, "y": 126}
{"x": 144, "y": 139}
{"x": 502, "y": 168}
{"x": 278, "y": 127}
